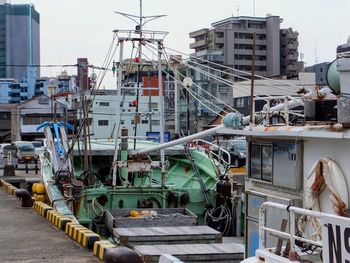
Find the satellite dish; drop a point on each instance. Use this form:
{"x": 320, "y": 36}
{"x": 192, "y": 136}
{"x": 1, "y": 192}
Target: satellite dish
{"x": 187, "y": 82}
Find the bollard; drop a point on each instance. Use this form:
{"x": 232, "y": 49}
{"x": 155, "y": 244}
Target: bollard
{"x": 26, "y": 168}
{"x": 9, "y": 169}
{"x": 36, "y": 168}
{"x": 27, "y": 200}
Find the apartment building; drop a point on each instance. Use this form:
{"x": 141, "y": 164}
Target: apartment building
{"x": 230, "y": 42}
{"x": 19, "y": 40}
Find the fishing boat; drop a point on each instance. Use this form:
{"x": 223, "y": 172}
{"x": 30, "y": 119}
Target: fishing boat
{"x": 91, "y": 180}
{"x": 297, "y": 190}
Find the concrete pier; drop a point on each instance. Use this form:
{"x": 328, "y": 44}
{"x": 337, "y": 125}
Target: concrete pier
{"x": 27, "y": 237}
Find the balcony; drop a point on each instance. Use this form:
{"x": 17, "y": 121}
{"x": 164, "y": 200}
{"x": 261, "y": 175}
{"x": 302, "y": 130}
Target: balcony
{"x": 214, "y": 56}
{"x": 198, "y": 33}
{"x": 241, "y": 62}
{"x": 200, "y": 43}
{"x": 250, "y": 52}
{"x": 219, "y": 40}
{"x": 287, "y": 52}
{"x": 291, "y": 57}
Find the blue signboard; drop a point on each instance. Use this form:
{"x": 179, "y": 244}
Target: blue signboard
{"x": 155, "y": 136}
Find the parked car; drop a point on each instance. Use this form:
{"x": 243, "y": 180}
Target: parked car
{"x": 3, "y": 152}
{"x": 38, "y": 147}
{"x": 24, "y": 152}
{"x": 237, "y": 149}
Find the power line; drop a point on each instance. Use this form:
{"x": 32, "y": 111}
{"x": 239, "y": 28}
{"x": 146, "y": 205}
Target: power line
{"x": 54, "y": 66}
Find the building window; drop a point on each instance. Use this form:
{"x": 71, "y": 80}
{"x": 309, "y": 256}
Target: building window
{"x": 240, "y": 102}
{"x": 104, "y": 104}
{"x": 132, "y": 121}
{"x": 154, "y": 106}
{"x": 122, "y": 122}
{"x": 102, "y": 122}
{"x": 155, "y": 122}
{"x": 144, "y": 121}
{"x": 223, "y": 89}
{"x": 43, "y": 100}
{"x": 5, "y": 116}
{"x": 36, "y": 119}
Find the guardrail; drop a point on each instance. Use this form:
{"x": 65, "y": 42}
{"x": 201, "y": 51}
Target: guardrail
{"x": 292, "y": 210}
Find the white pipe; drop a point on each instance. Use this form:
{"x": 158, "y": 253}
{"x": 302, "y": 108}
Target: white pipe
{"x": 278, "y": 107}
{"x": 183, "y": 140}
{"x": 118, "y": 111}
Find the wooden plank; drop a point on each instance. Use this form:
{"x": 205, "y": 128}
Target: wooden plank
{"x": 226, "y": 252}
{"x": 280, "y": 241}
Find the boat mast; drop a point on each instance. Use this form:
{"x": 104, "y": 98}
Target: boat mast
{"x": 118, "y": 110}
{"x": 138, "y": 76}
{"x": 149, "y": 37}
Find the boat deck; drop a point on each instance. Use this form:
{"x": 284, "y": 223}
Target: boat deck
{"x": 27, "y": 237}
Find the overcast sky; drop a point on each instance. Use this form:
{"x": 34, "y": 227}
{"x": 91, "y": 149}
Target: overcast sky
{"x": 83, "y": 28}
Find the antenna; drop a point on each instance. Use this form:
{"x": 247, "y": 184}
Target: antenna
{"x": 237, "y": 9}
{"x": 253, "y": 8}
{"x": 316, "y": 58}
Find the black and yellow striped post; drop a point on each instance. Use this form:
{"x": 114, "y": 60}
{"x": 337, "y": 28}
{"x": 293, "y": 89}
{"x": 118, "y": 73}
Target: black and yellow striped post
{"x": 41, "y": 208}
{"x": 100, "y": 248}
{"x": 89, "y": 239}
{"x": 81, "y": 235}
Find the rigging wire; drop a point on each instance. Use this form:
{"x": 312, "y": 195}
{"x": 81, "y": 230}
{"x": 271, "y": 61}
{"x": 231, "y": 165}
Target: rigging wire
{"x": 200, "y": 88}
{"x": 192, "y": 93}
{"x": 239, "y": 76}
{"x": 76, "y": 137}
{"x": 237, "y": 70}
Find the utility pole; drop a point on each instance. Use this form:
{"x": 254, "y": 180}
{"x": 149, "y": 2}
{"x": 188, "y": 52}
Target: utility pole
{"x": 161, "y": 108}
{"x": 83, "y": 116}
{"x": 251, "y": 101}
{"x": 175, "y": 62}
{"x": 149, "y": 102}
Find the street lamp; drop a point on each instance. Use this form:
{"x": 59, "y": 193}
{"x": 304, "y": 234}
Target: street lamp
{"x": 188, "y": 82}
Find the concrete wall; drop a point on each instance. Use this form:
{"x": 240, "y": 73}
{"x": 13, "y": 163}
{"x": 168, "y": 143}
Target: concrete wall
{"x": 109, "y": 113}
{"x": 272, "y": 46}
{"x": 229, "y": 47}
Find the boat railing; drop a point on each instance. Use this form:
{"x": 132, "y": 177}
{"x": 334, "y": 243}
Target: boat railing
{"x": 218, "y": 156}
{"x": 291, "y": 236}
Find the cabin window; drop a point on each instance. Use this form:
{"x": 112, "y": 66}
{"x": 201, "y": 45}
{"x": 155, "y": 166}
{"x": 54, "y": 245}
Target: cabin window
{"x": 261, "y": 162}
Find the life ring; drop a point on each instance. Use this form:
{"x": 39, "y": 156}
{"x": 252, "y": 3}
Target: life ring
{"x": 324, "y": 173}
